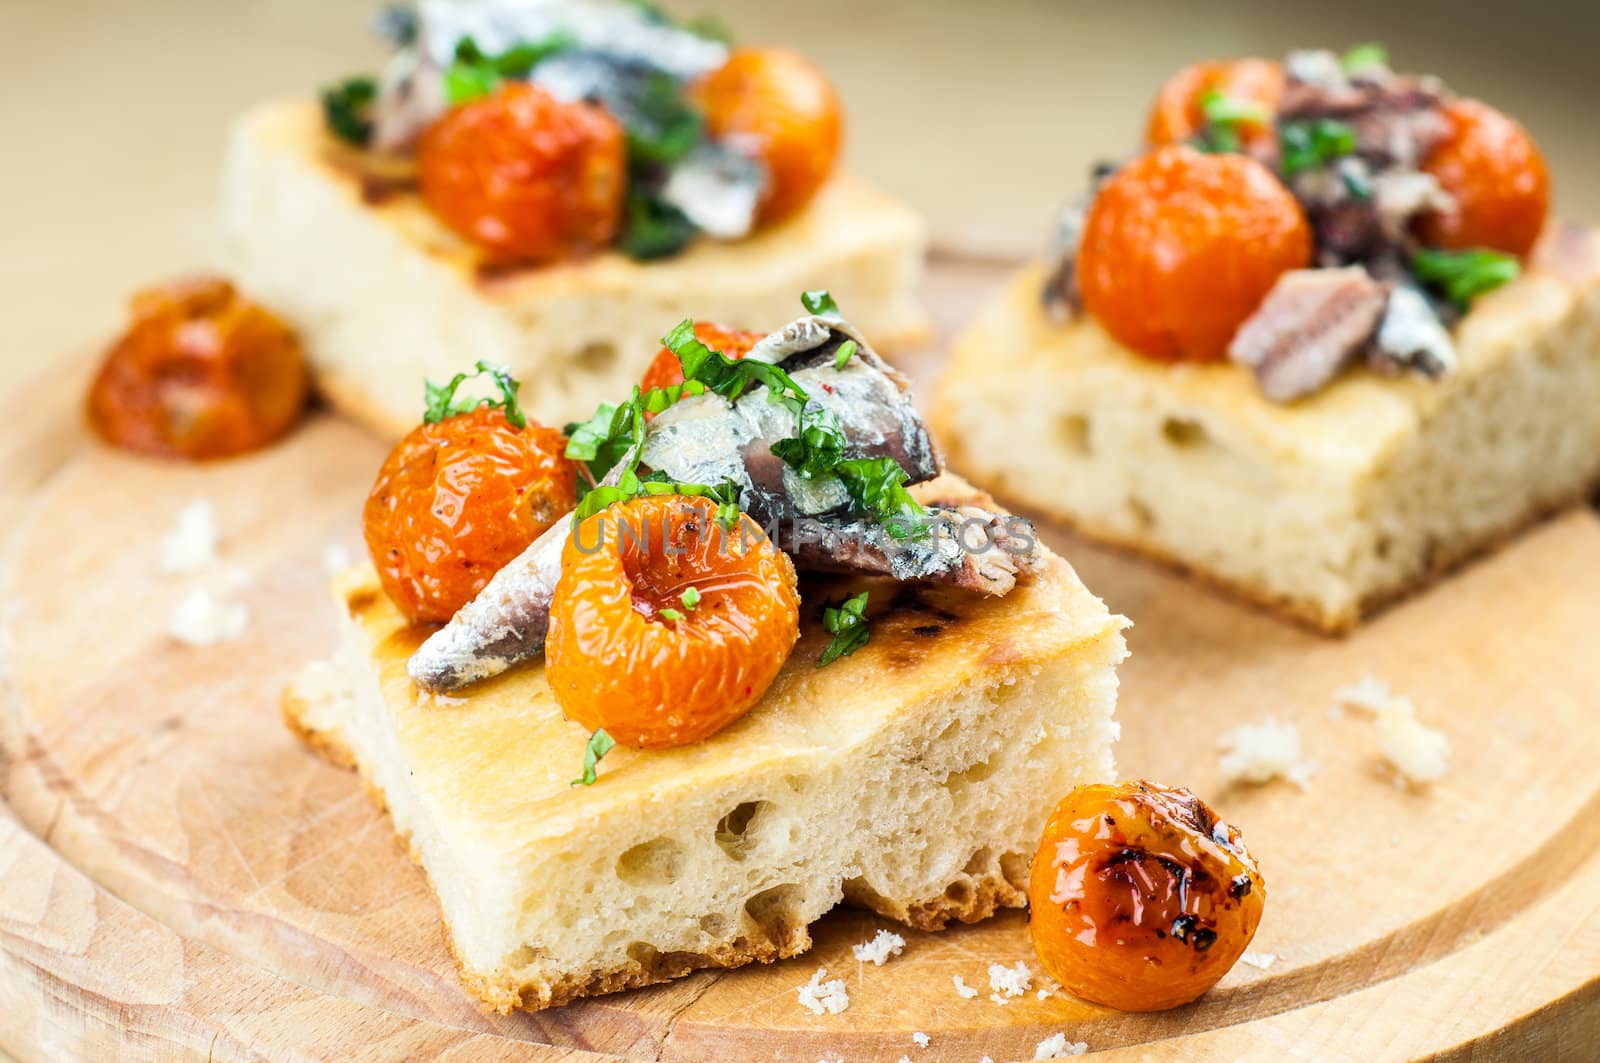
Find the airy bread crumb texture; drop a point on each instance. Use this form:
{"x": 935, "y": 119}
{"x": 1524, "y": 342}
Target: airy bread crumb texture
{"x": 921, "y": 802}
{"x": 384, "y": 296}
{"x": 1324, "y": 509}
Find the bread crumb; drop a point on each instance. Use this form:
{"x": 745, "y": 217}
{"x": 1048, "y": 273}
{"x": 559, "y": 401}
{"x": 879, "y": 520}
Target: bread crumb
{"x": 203, "y": 620}
{"x": 1058, "y": 1047}
{"x": 963, "y": 989}
{"x": 1419, "y": 753}
{"x": 1261, "y": 752}
{"x": 1369, "y": 692}
{"x": 1262, "y": 960}
{"x": 818, "y": 996}
{"x": 335, "y": 558}
{"x": 192, "y": 543}
{"x": 921, "y": 1039}
{"x": 877, "y": 951}
{"x": 1009, "y": 981}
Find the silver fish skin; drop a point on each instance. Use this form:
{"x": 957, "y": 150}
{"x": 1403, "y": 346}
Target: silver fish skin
{"x": 611, "y": 32}
{"x": 968, "y": 547}
{"x": 705, "y": 439}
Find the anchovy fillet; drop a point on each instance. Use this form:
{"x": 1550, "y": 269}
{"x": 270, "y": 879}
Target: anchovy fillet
{"x": 706, "y": 439}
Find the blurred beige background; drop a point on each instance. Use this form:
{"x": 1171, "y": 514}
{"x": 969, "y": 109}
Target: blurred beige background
{"x": 983, "y": 114}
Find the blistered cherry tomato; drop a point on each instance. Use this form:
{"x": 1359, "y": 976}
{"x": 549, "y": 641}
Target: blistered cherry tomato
{"x": 1497, "y": 177}
{"x": 1180, "y": 247}
{"x": 776, "y": 104}
{"x": 666, "y": 627}
{"x": 456, "y": 500}
{"x": 201, "y": 373}
{"x": 665, "y": 370}
{"x": 1140, "y": 898}
{"x": 1178, "y": 113}
{"x": 524, "y": 175}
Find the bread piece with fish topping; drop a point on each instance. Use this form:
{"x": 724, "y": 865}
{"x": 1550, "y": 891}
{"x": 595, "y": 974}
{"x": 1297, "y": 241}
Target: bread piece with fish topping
{"x": 1324, "y": 509}
{"x": 721, "y": 853}
{"x": 385, "y": 296}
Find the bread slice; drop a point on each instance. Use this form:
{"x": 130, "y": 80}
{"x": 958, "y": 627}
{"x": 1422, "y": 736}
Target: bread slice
{"x": 912, "y": 777}
{"x": 385, "y": 296}
{"x": 1323, "y": 509}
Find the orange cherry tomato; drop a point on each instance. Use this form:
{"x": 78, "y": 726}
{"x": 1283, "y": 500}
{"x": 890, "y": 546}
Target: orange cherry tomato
{"x": 201, "y": 373}
{"x": 666, "y": 370}
{"x": 1179, "y": 248}
{"x": 780, "y": 107}
{"x": 1178, "y": 115}
{"x": 1140, "y": 898}
{"x": 456, "y": 500}
{"x": 626, "y": 652}
{"x": 526, "y": 176}
{"x": 1497, "y": 177}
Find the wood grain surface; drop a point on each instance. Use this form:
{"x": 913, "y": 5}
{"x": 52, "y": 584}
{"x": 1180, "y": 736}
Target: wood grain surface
{"x": 191, "y": 881}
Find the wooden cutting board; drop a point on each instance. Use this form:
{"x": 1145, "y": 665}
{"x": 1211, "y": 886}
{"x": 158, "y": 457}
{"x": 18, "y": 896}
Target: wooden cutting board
{"x": 178, "y": 876}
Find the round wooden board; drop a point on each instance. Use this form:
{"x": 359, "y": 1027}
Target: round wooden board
{"x": 196, "y": 882}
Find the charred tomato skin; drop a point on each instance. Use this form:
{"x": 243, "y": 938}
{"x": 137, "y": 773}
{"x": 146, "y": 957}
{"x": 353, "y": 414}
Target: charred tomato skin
{"x": 1498, "y": 178}
{"x": 1140, "y": 898}
{"x": 456, "y": 500}
{"x": 616, "y": 659}
{"x": 202, "y": 372}
{"x": 665, "y": 370}
{"x": 1180, "y": 247}
{"x": 776, "y": 104}
{"x": 1177, "y": 113}
{"x": 525, "y": 176}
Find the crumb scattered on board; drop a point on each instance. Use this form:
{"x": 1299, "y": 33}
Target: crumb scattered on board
{"x": 335, "y": 558}
{"x": 823, "y": 997}
{"x": 1007, "y": 982}
{"x": 1419, "y": 753}
{"x": 883, "y": 945}
{"x": 192, "y": 543}
{"x": 202, "y": 619}
{"x": 1260, "y": 960}
{"x": 1261, "y": 752}
{"x": 963, "y": 989}
{"x": 1058, "y": 1047}
{"x": 204, "y": 616}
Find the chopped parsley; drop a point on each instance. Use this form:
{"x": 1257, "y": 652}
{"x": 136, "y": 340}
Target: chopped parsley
{"x": 818, "y": 448}
{"x": 671, "y": 614}
{"x": 652, "y": 228}
{"x": 1368, "y": 56}
{"x": 1310, "y": 144}
{"x": 474, "y": 74}
{"x": 598, "y": 746}
{"x": 1464, "y": 275}
{"x": 820, "y": 302}
{"x": 877, "y": 486}
{"x": 847, "y": 623}
{"x": 1223, "y": 115}
{"x": 660, "y": 126}
{"x": 345, "y": 107}
{"x": 690, "y": 598}
{"x": 842, "y": 356}
{"x": 727, "y": 377}
{"x": 441, "y": 401}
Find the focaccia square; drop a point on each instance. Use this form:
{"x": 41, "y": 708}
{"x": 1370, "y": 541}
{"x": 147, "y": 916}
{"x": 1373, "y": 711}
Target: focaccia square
{"x": 910, "y": 777}
{"x": 1324, "y": 509}
{"x": 385, "y": 296}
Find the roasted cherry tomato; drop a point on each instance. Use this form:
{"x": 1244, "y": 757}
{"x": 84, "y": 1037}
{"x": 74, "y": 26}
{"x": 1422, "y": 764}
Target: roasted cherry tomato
{"x": 524, "y": 175}
{"x": 1497, "y": 177}
{"x": 1140, "y": 898}
{"x": 774, "y": 103}
{"x": 459, "y": 498}
{"x": 666, "y": 370}
{"x": 1178, "y": 113}
{"x": 1180, "y": 247}
{"x": 201, "y": 373}
{"x": 666, "y": 627}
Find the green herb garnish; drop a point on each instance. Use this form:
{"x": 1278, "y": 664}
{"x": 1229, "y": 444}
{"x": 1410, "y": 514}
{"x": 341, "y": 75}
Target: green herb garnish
{"x": 847, "y": 623}
{"x": 1223, "y": 115}
{"x": 1364, "y": 57}
{"x": 345, "y": 106}
{"x": 652, "y": 227}
{"x": 818, "y": 448}
{"x": 441, "y": 402}
{"x": 820, "y": 302}
{"x": 1464, "y": 275}
{"x": 661, "y": 127}
{"x": 474, "y": 74}
{"x": 1313, "y": 143}
{"x": 599, "y": 745}
{"x": 690, "y": 598}
{"x": 842, "y": 356}
{"x": 671, "y": 614}
{"x": 877, "y": 486}
{"x": 727, "y": 377}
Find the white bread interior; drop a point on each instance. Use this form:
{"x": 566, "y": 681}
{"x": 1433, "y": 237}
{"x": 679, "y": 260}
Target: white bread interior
{"x": 912, "y": 777}
{"x": 385, "y": 296}
{"x": 1323, "y": 509}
